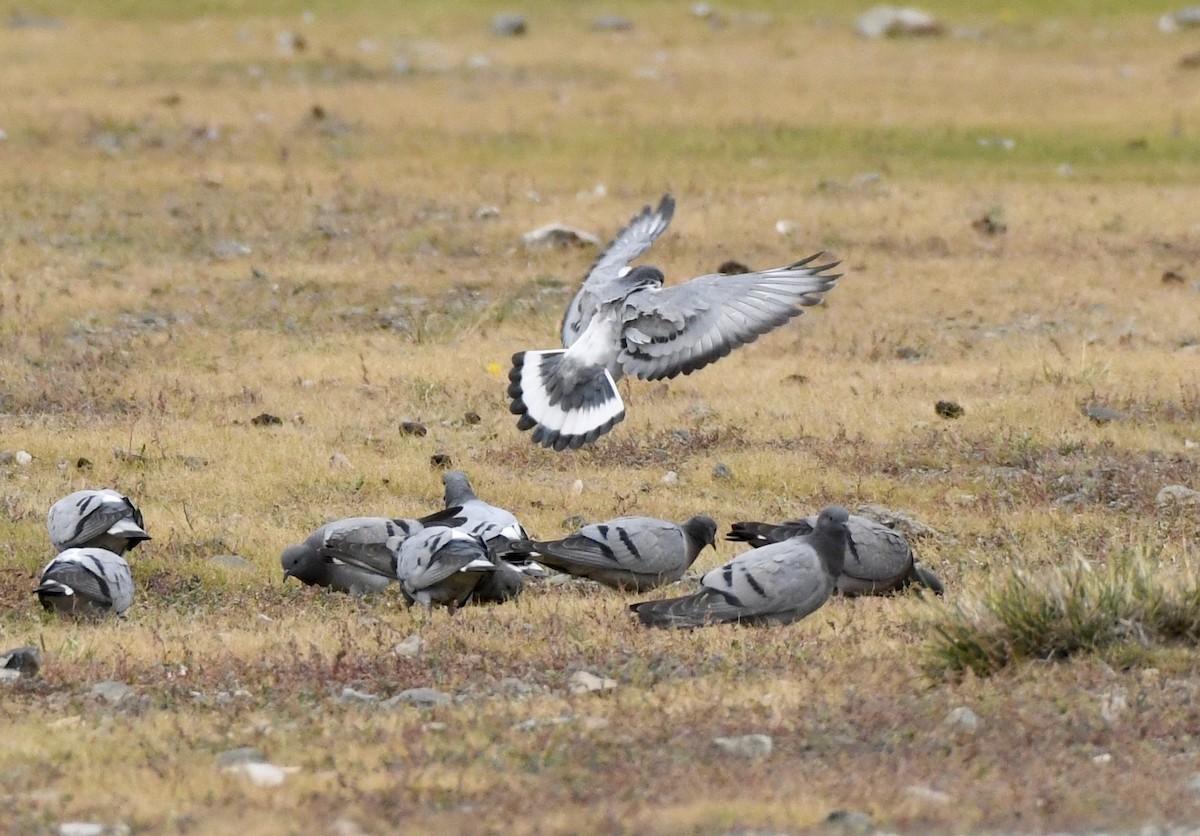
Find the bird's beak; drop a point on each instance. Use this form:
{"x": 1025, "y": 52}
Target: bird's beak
{"x": 287, "y": 573}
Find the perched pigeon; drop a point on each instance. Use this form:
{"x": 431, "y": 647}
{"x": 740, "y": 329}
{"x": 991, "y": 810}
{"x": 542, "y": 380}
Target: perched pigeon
{"x": 636, "y": 553}
{"x": 878, "y": 559}
{"x": 86, "y": 581}
{"x": 440, "y": 565}
{"x": 105, "y": 519}
{"x": 637, "y": 237}
{"x": 356, "y": 555}
{"x": 776, "y": 584}
{"x": 487, "y": 522}
{"x": 569, "y": 397}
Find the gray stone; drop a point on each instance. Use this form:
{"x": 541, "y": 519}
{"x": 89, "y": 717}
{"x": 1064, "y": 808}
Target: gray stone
{"x": 928, "y": 794}
{"x": 612, "y": 23}
{"x": 509, "y": 25}
{"x": 517, "y": 687}
{"x": 722, "y": 471}
{"x": 231, "y": 561}
{"x": 92, "y": 828}
{"x": 1105, "y": 415}
{"x": 751, "y": 746}
{"x": 411, "y": 647}
{"x": 1177, "y": 495}
{"x": 850, "y": 820}
{"x": 586, "y": 682}
{"x": 892, "y": 22}
{"x": 111, "y": 692}
{"x": 350, "y": 696}
{"x": 962, "y": 718}
{"x": 242, "y": 754}
{"x": 899, "y": 520}
{"x": 560, "y": 236}
{"x": 422, "y": 697}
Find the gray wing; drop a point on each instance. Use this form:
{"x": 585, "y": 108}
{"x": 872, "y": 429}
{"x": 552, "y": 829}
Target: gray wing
{"x": 85, "y": 515}
{"x": 875, "y": 552}
{"x": 780, "y": 578}
{"x": 632, "y": 241}
{"x": 638, "y": 544}
{"x": 370, "y": 543}
{"x": 95, "y": 574}
{"x": 673, "y": 330}
{"x": 488, "y": 522}
{"x": 430, "y": 556}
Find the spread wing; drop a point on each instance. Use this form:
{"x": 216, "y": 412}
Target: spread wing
{"x": 632, "y": 241}
{"x": 677, "y": 330}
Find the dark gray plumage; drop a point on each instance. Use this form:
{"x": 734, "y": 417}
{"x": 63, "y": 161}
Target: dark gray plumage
{"x": 86, "y": 582}
{"x": 634, "y": 239}
{"x": 440, "y": 565}
{"x": 569, "y": 397}
{"x": 355, "y": 555}
{"x": 878, "y": 559}
{"x": 636, "y": 553}
{"x": 776, "y": 584}
{"x": 105, "y": 519}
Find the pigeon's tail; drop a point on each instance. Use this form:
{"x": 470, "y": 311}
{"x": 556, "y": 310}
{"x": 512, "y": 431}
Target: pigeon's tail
{"x": 128, "y": 529}
{"x": 705, "y": 607}
{"x": 449, "y": 517}
{"x": 758, "y": 534}
{"x": 562, "y": 411}
{"x": 921, "y": 576}
{"x": 49, "y": 591}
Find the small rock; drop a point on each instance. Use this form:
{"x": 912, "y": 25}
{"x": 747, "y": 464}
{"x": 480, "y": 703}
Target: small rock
{"x": 1104, "y": 415}
{"x": 263, "y": 618}
{"x": 25, "y": 660}
{"x": 683, "y": 436}
{"x": 699, "y": 411}
{"x": 414, "y": 428}
{"x": 518, "y": 687}
{"x": 242, "y": 754}
{"x": 785, "y": 227}
{"x": 851, "y": 820}
{"x": 422, "y": 697}
{"x": 472, "y": 418}
{"x": 537, "y": 722}
{"x": 1177, "y": 495}
{"x": 1187, "y": 17}
{"x": 751, "y": 746}
{"x": 1173, "y": 277}
{"x": 903, "y": 522}
{"x": 892, "y": 22}
{"x": 574, "y": 522}
{"x": 949, "y": 410}
{"x": 484, "y": 213}
{"x": 612, "y": 23}
{"x": 722, "y": 471}
{"x": 350, "y": 696}
{"x": 928, "y": 794}
{"x": 991, "y": 223}
{"x": 441, "y": 460}
{"x": 7, "y": 456}
{"x": 577, "y": 487}
{"x": 1113, "y": 705}
{"x": 111, "y": 692}
{"x": 231, "y": 561}
{"x": 92, "y": 828}
{"x": 586, "y": 682}
{"x": 263, "y": 774}
{"x": 411, "y": 647}
{"x": 339, "y": 460}
{"x": 227, "y": 250}
{"x": 670, "y": 479}
{"x": 266, "y": 419}
{"x": 962, "y": 718}
{"x": 1102, "y": 758}
{"x": 558, "y": 235}
{"x": 732, "y": 268}
{"x": 9, "y": 675}
{"x": 83, "y": 464}
{"x": 23, "y": 458}
{"x": 509, "y": 25}
{"x": 123, "y": 455}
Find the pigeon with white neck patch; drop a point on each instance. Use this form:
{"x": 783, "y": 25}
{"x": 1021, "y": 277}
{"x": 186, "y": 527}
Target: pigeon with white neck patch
{"x": 105, "y": 519}
{"x": 86, "y": 582}
{"x": 776, "y": 584}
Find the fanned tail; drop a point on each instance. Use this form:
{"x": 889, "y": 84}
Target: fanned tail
{"x": 561, "y": 414}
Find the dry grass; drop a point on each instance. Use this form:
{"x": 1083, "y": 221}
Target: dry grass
{"x": 144, "y": 146}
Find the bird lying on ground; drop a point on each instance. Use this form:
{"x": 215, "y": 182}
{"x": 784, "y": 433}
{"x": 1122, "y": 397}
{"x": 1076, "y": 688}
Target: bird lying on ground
{"x": 105, "y": 519}
{"x": 86, "y": 582}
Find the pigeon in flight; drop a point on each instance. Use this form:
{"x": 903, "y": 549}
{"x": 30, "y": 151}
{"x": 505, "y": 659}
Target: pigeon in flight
{"x": 776, "y": 584}
{"x": 878, "y": 559}
{"x": 624, "y": 321}
{"x": 106, "y": 519}
{"x": 440, "y": 565}
{"x": 636, "y": 553}
{"x": 86, "y": 582}
{"x": 637, "y": 237}
{"x": 355, "y": 555}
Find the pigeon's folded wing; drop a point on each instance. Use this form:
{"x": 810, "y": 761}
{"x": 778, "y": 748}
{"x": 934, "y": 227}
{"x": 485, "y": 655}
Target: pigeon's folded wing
{"x": 782, "y": 577}
{"x": 638, "y": 544}
{"x": 631, "y": 242}
{"x": 677, "y": 330}
{"x": 369, "y": 543}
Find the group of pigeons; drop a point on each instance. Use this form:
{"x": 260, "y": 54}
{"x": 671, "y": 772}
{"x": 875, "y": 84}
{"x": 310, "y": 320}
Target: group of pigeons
{"x": 474, "y": 552}
{"x": 622, "y": 321}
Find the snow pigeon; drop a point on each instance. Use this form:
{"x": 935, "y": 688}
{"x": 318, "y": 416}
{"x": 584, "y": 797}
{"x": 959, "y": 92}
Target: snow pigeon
{"x": 636, "y": 553}
{"x": 637, "y": 237}
{"x": 485, "y": 521}
{"x": 776, "y": 584}
{"x": 878, "y": 559}
{"x": 633, "y": 325}
{"x": 440, "y": 565}
{"x": 356, "y": 555}
{"x": 106, "y": 519}
{"x": 86, "y": 581}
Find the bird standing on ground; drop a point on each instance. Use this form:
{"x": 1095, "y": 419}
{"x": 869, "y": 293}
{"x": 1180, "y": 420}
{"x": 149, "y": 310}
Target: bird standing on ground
{"x": 776, "y": 584}
{"x": 878, "y": 559}
{"x": 440, "y": 565}
{"x": 86, "y": 582}
{"x": 105, "y": 519}
{"x": 636, "y": 553}
{"x": 623, "y": 321}
{"x": 355, "y": 555}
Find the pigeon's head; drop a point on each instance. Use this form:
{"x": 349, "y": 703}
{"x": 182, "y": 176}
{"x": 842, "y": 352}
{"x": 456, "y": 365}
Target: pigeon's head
{"x": 458, "y": 487}
{"x": 643, "y": 276}
{"x": 300, "y": 562}
{"x": 702, "y": 531}
{"x": 832, "y": 520}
